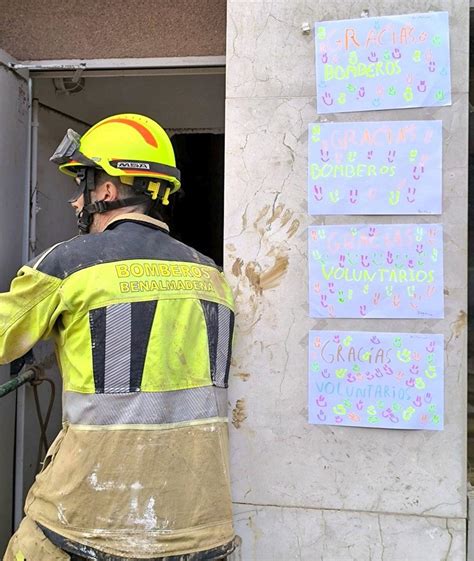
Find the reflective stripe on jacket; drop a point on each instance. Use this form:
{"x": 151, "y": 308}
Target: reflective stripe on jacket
{"x": 143, "y": 329}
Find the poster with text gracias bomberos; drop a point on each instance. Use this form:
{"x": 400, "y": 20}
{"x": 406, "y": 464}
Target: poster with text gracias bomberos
{"x": 383, "y": 167}
{"x": 389, "y": 62}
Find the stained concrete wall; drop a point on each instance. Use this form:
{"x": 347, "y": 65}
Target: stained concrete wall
{"x": 34, "y": 30}
{"x": 320, "y": 492}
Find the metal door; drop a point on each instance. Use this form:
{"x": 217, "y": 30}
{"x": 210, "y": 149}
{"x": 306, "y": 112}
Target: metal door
{"x": 14, "y": 213}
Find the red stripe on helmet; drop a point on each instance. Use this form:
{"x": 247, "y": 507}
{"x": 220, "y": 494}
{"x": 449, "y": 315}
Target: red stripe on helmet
{"x": 143, "y": 172}
{"x": 146, "y": 134}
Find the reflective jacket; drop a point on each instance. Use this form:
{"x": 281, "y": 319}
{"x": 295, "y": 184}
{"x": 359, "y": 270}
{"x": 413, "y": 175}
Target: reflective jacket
{"x": 142, "y": 326}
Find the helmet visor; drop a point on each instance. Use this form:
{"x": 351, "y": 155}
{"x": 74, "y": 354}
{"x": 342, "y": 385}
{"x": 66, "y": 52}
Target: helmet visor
{"x": 69, "y": 144}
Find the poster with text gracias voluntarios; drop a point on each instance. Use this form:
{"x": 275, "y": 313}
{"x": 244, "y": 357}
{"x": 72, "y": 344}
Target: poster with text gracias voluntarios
{"x": 389, "y": 62}
{"x": 384, "y": 380}
{"x": 376, "y": 271}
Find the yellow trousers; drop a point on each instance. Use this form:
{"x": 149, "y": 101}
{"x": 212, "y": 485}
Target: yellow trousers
{"x": 30, "y": 544}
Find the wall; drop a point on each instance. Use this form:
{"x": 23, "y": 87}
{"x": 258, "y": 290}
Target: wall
{"x": 33, "y": 30}
{"x": 312, "y": 492}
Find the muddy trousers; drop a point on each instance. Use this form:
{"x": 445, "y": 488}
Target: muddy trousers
{"x": 29, "y": 543}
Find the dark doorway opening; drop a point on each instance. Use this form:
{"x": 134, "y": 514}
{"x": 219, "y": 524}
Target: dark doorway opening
{"x": 197, "y": 211}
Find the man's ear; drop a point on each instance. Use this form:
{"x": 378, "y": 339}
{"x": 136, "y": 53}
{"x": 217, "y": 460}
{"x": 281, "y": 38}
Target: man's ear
{"x": 111, "y": 191}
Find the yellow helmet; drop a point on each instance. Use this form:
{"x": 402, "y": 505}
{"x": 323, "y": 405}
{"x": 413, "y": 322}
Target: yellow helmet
{"x": 130, "y": 146}
{"x": 126, "y": 145}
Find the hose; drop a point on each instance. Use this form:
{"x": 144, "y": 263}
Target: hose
{"x": 34, "y": 375}
{"x": 27, "y": 376}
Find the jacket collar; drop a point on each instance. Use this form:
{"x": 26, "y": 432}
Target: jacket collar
{"x": 137, "y": 217}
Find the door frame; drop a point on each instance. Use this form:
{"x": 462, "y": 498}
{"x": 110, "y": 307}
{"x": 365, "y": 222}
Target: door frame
{"x": 77, "y": 68}
{"x": 8, "y": 62}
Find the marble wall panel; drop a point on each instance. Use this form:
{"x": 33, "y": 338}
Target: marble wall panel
{"x": 318, "y": 535}
{"x": 277, "y": 457}
{"x": 268, "y": 55}
{"x": 401, "y": 495}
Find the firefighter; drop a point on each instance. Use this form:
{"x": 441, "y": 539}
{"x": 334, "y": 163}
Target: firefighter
{"x": 142, "y": 326}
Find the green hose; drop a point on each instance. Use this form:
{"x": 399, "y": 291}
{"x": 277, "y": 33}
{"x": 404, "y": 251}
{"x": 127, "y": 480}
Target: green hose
{"x": 10, "y": 386}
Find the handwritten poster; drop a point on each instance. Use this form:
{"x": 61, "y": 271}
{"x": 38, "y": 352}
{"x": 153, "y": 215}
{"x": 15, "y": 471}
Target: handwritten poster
{"x": 384, "y": 380}
{"x": 385, "y": 62}
{"x": 391, "y": 167}
{"x": 376, "y": 271}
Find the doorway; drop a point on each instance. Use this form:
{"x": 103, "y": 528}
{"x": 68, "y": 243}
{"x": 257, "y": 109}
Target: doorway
{"x": 189, "y": 104}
